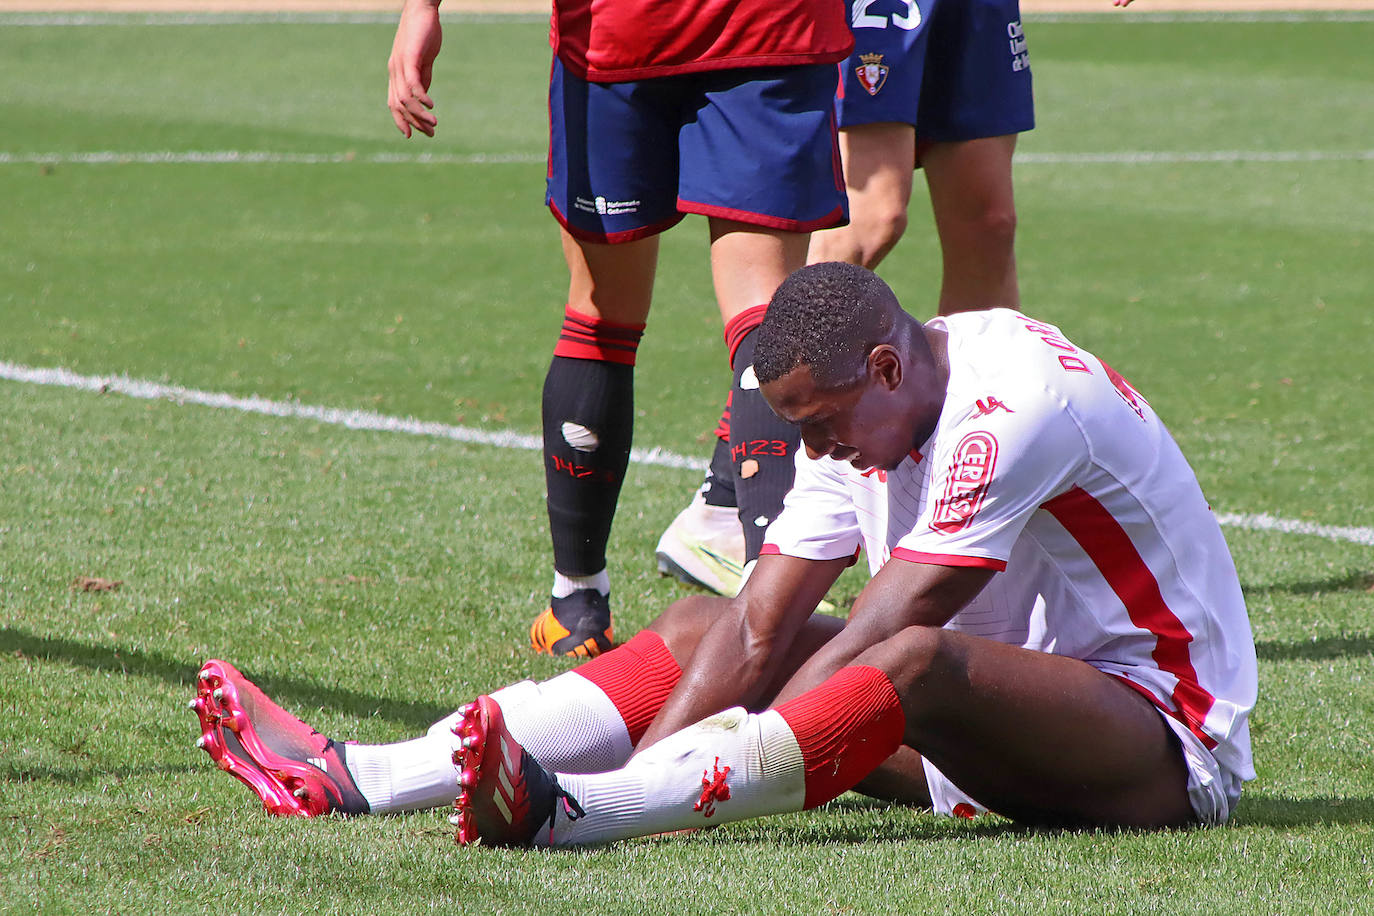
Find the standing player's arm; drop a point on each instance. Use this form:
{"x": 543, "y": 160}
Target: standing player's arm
{"x": 411, "y": 67}
{"x": 903, "y": 594}
{"x": 743, "y": 653}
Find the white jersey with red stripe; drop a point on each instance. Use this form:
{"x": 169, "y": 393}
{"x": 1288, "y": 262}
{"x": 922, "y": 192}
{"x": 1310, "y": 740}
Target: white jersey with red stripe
{"x": 1047, "y": 467}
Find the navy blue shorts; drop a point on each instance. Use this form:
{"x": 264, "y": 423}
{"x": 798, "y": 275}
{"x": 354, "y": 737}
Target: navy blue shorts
{"x": 756, "y": 145}
{"x": 956, "y": 69}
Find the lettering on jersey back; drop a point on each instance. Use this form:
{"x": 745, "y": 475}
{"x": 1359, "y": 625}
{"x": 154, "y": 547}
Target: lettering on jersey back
{"x": 970, "y": 471}
{"x": 1051, "y": 336}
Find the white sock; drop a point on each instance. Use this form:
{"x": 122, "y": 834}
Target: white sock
{"x": 563, "y": 586}
{"x": 664, "y": 788}
{"x": 408, "y": 775}
{"x": 566, "y": 723}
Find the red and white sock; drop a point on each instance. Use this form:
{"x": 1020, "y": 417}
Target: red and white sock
{"x": 583, "y": 721}
{"x": 737, "y": 765}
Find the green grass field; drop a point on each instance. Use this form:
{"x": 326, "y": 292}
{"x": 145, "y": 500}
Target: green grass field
{"x": 373, "y": 581}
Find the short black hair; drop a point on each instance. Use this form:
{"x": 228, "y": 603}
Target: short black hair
{"x": 827, "y": 317}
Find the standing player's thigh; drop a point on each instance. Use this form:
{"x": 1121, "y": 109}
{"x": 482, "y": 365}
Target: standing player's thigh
{"x": 977, "y": 73}
{"x": 760, "y": 148}
{"x": 613, "y": 166}
{"x": 1037, "y": 737}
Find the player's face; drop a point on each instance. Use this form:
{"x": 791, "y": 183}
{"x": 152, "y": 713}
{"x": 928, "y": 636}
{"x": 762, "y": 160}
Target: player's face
{"x": 863, "y": 424}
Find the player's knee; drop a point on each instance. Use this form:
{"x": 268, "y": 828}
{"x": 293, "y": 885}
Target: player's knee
{"x": 685, "y": 621}
{"x": 879, "y": 229}
{"x": 913, "y": 658}
{"x": 993, "y": 225}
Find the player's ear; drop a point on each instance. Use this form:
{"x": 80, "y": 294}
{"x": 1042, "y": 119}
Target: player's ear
{"x": 885, "y": 366}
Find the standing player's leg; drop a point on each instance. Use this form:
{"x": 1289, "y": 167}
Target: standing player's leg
{"x": 971, "y": 197}
{"x": 747, "y": 264}
{"x": 879, "y": 159}
{"x": 612, "y": 185}
{"x": 976, "y": 97}
{"x": 588, "y": 415}
{"x": 760, "y": 159}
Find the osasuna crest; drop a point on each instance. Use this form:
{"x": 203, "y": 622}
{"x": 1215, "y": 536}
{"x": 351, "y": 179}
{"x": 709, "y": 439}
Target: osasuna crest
{"x": 872, "y": 72}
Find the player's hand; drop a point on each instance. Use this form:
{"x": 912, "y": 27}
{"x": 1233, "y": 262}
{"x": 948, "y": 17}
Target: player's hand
{"x": 411, "y": 67}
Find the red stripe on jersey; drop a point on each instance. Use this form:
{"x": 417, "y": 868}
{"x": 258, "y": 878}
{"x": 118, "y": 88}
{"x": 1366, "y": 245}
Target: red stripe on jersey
{"x": 948, "y": 559}
{"x": 1112, "y": 552}
{"x": 773, "y": 550}
{"x": 590, "y": 337}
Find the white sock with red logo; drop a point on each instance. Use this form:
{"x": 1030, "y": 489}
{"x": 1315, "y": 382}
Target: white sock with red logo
{"x": 735, "y": 765}
{"x": 727, "y": 767}
{"x": 582, "y": 721}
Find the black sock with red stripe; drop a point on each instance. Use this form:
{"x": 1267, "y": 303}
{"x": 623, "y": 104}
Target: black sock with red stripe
{"x": 719, "y": 487}
{"x": 588, "y": 410}
{"x": 761, "y": 445}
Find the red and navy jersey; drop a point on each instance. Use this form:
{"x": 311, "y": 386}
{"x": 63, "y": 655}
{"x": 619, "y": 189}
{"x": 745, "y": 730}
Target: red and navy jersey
{"x": 616, "y": 41}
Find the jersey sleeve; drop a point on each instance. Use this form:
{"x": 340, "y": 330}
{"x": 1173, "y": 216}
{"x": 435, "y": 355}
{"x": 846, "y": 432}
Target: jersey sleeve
{"x": 817, "y": 521}
{"x": 988, "y": 476}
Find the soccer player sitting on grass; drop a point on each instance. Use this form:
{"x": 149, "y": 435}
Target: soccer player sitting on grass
{"x": 1054, "y": 629}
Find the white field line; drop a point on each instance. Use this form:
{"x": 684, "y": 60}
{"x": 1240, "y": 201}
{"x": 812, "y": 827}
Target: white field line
{"x": 1264, "y": 522}
{"x": 370, "y": 420}
{"x": 268, "y": 157}
{"x": 352, "y": 419}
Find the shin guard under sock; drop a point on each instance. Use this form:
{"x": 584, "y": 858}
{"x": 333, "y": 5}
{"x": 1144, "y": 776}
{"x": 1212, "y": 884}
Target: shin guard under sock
{"x": 588, "y": 411}
{"x": 762, "y": 446}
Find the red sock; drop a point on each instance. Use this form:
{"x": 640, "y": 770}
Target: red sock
{"x": 637, "y": 676}
{"x": 845, "y": 727}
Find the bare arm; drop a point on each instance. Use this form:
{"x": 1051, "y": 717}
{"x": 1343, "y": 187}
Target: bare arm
{"x": 745, "y": 650}
{"x": 411, "y": 67}
{"x": 901, "y": 595}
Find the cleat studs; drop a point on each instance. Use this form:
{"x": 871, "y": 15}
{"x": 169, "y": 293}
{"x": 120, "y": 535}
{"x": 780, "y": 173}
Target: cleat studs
{"x": 467, "y": 779}
{"x": 193, "y": 704}
{"x": 218, "y": 694}
{"x": 302, "y": 792}
{"x": 470, "y": 742}
{"x": 202, "y": 741}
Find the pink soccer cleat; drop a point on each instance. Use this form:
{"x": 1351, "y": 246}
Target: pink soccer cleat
{"x": 293, "y": 768}
{"x": 505, "y": 798}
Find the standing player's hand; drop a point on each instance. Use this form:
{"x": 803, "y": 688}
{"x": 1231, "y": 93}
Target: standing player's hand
{"x": 411, "y": 67}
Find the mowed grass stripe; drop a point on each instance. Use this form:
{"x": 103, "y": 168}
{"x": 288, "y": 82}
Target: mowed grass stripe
{"x": 270, "y": 157}
{"x": 378, "y": 422}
